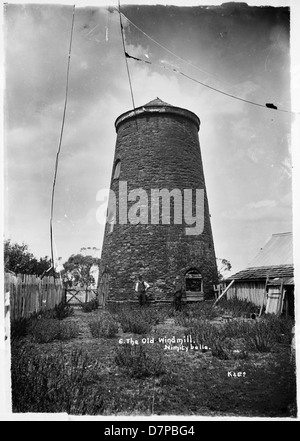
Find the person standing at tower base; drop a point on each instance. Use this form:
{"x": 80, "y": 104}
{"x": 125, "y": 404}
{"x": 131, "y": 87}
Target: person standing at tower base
{"x": 178, "y": 296}
{"x": 141, "y": 288}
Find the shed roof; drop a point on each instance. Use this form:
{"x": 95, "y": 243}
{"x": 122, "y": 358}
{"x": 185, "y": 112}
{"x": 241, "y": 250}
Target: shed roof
{"x": 261, "y": 273}
{"x": 275, "y": 260}
{"x": 277, "y": 251}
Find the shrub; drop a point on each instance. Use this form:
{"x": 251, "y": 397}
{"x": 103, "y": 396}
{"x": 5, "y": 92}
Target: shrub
{"x": 260, "y": 343}
{"x": 19, "y": 328}
{"x": 195, "y": 312}
{"x": 238, "y": 307}
{"x": 202, "y": 310}
{"x": 185, "y": 320}
{"x": 237, "y": 329}
{"x": 140, "y": 320}
{"x": 68, "y": 330}
{"x": 60, "y": 312}
{"x": 261, "y": 338}
{"x": 55, "y": 383}
{"x": 90, "y": 306}
{"x": 203, "y": 333}
{"x": 139, "y": 362}
{"x": 104, "y": 326}
{"x": 221, "y": 348}
{"x": 264, "y": 334}
{"x": 218, "y": 339}
{"x": 135, "y": 321}
{"x": 63, "y": 310}
{"x": 281, "y": 327}
{"x": 135, "y": 325}
{"x": 44, "y": 313}
{"x": 156, "y": 314}
{"x": 47, "y": 330}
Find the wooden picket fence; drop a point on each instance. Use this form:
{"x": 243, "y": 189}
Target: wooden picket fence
{"x": 29, "y": 294}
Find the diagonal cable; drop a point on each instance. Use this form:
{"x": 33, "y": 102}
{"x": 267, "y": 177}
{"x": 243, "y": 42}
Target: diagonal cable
{"x": 60, "y": 141}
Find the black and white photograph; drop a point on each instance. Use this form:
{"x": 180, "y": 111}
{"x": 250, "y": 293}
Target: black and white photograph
{"x": 150, "y": 220}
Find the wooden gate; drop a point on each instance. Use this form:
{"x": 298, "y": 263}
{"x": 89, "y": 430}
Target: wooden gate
{"x": 79, "y": 296}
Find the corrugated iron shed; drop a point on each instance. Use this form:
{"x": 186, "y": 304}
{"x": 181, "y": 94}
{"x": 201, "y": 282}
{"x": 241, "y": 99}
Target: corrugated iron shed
{"x": 277, "y": 251}
{"x": 280, "y": 271}
{"x": 275, "y": 260}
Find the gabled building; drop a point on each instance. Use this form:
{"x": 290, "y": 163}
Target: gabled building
{"x": 269, "y": 278}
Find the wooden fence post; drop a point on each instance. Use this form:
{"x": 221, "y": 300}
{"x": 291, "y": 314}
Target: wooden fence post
{"x": 224, "y": 292}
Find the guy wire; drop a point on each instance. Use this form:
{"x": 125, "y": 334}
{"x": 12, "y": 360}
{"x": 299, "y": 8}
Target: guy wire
{"x": 124, "y": 49}
{"x": 60, "y": 142}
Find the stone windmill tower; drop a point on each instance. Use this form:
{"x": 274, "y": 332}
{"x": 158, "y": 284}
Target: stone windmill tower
{"x": 158, "y": 217}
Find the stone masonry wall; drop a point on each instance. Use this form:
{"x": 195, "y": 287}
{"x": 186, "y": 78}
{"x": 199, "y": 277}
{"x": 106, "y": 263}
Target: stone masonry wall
{"x": 157, "y": 151}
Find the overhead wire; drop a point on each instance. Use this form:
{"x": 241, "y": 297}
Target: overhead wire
{"x": 128, "y": 71}
{"x": 178, "y": 71}
{"x": 124, "y": 49}
{"x": 60, "y": 142}
{"x": 131, "y": 91}
{"x": 267, "y": 105}
{"x": 166, "y": 49}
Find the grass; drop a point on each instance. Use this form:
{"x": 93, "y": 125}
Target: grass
{"x": 55, "y": 383}
{"x": 215, "y": 338}
{"x": 281, "y": 327}
{"x": 104, "y": 326}
{"x": 237, "y": 329}
{"x": 134, "y": 322}
{"x": 237, "y": 307}
{"x": 191, "y": 313}
{"x": 261, "y": 337}
{"x": 258, "y": 335}
{"x": 198, "y": 311}
{"x": 185, "y": 320}
{"x": 23, "y": 326}
{"x": 203, "y": 333}
{"x": 139, "y": 320}
{"x": 81, "y": 376}
{"x": 222, "y": 348}
{"x": 68, "y": 331}
{"x": 47, "y": 330}
{"x": 140, "y": 362}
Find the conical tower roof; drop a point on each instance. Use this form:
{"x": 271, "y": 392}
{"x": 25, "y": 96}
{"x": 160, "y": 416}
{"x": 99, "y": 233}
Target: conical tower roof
{"x": 156, "y": 106}
{"x": 157, "y": 102}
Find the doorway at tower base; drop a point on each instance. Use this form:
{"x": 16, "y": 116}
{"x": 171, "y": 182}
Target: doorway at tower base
{"x": 193, "y": 286}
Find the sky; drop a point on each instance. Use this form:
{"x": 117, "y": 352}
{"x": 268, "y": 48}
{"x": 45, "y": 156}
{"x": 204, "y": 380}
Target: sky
{"x": 246, "y": 149}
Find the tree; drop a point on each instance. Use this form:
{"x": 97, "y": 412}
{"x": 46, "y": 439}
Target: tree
{"x": 78, "y": 268}
{"x": 223, "y": 267}
{"x": 19, "y": 260}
